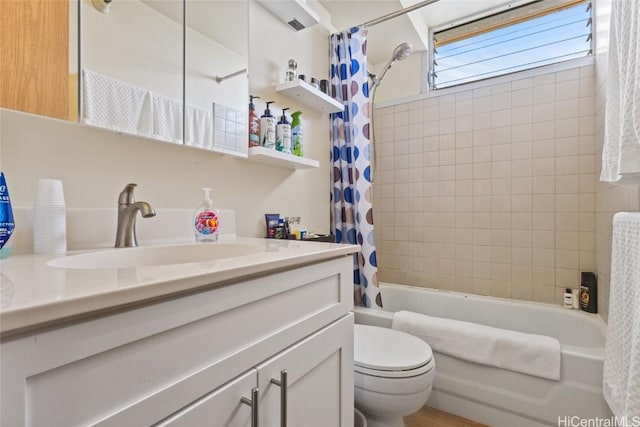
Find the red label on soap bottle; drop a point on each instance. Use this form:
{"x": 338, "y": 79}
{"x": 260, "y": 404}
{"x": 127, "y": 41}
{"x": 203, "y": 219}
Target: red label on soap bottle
{"x": 207, "y": 222}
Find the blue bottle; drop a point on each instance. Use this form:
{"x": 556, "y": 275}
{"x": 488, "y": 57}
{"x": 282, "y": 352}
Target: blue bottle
{"x": 7, "y": 225}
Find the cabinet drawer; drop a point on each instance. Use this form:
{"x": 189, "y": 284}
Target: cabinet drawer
{"x": 139, "y": 366}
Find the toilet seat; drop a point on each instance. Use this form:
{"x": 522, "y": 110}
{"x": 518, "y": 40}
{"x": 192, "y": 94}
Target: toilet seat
{"x": 388, "y": 353}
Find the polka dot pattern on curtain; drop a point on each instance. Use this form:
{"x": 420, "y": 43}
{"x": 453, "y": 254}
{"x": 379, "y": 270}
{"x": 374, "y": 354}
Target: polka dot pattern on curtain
{"x": 351, "y": 160}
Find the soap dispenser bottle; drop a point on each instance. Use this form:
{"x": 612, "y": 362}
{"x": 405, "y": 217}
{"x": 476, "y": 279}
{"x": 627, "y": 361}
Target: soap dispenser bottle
{"x": 268, "y": 128}
{"x": 254, "y": 124}
{"x": 207, "y": 220}
{"x": 283, "y": 134}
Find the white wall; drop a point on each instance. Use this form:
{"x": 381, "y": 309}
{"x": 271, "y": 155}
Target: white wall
{"x": 272, "y": 44}
{"x": 95, "y": 164}
{"x": 403, "y": 80}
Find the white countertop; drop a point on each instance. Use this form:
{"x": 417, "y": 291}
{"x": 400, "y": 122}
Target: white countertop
{"x": 33, "y": 294}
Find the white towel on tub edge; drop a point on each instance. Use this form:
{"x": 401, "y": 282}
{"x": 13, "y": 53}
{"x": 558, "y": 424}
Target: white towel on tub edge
{"x": 531, "y": 354}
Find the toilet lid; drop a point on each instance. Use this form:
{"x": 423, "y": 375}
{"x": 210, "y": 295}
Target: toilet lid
{"x": 384, "y": 349}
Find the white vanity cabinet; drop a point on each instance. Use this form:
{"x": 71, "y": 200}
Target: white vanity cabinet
{"x": 221, "y": 407}
{"x": 318, "y": 373}
{"x": 189, "y": 359}
{"x": 313, "y": 374}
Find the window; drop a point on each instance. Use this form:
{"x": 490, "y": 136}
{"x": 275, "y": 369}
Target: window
{"x": 539, "y": 33}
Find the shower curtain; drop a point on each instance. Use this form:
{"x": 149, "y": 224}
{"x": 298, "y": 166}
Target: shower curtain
{"x": 352, "y": 216}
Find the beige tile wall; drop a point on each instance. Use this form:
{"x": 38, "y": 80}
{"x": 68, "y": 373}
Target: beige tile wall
{"x": 491, "y": 190}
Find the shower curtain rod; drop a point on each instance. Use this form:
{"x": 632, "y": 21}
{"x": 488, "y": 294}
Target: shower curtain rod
{"x": 397, "y": 13}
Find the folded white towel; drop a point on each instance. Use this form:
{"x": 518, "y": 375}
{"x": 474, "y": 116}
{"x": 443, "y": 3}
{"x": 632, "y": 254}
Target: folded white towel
{"x": 621, "y": 379}
{"x": 167, "y": 118}
{"x": 199, "y": 131}
{"x": 115, "y": 105}
{"x": 531, "y": 354}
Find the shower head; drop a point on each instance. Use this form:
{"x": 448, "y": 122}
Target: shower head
{"x": 102, "y": 5}
{"x": 401, "y": 52}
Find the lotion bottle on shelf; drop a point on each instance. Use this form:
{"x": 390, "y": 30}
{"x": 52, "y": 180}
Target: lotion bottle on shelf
{"x": 268, "y": 128}
{"x": 254, "y": 124}
{"x": 283, "y": 134}
{"x": 207, "y": 219}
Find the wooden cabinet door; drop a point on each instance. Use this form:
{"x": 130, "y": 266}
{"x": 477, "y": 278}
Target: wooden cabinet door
{"x": 34, "y": 56}
{"x": 319, "y": 389}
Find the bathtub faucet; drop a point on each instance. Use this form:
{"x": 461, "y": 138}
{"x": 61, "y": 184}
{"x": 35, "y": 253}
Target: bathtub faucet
{"x": 127, "y": 211}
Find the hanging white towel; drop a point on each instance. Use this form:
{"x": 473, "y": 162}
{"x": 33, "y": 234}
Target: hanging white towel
{"x": 621, "y": 150}
{"x": 167, "y": 118}
{"x": 199, "y": 131}
{"x": 621, "y": 382}
{"x": 116, "y": 105}
{"x": 531, "y": 354}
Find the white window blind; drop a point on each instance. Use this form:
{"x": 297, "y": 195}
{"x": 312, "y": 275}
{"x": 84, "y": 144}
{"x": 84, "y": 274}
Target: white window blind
{"x": 536, "y": 34}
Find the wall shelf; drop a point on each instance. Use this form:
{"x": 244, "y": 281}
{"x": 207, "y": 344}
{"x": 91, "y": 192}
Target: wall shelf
{"x": 228, "y": 152}
{"x": 277, "y": 158}
{"x": 308, "y": 95}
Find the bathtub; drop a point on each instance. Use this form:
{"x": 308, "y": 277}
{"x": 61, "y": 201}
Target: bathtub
{"x": 499, "y": 397}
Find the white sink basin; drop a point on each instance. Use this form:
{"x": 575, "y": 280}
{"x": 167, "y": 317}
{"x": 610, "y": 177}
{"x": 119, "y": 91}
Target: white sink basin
{"x": 149, "y": 256}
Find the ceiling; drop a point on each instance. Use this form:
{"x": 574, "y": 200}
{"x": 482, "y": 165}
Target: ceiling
{"x": 413, "y": 27}
{"x": 382, "y": 38}
{"x": 201, "y": 14}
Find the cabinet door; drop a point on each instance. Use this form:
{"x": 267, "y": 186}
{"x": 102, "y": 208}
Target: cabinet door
{"x": 222, "y": 407}
{"x": 319, "y": 380}
{"x": 34, "y": 38}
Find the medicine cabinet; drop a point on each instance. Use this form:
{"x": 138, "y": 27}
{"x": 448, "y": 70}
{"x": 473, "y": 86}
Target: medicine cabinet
{"x": 154, "y": 68}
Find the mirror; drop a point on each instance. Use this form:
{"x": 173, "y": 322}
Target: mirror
{"x": 131, "y": 60}
{"x": 216, "y": 75}
{"x": 133, "y": 55}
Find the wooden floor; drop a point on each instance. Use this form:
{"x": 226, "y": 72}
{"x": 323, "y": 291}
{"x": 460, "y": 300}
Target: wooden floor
{"x": 431, "y": 417}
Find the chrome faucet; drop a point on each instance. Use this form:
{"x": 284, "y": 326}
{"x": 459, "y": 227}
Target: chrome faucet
{"x": 127, "y": 210}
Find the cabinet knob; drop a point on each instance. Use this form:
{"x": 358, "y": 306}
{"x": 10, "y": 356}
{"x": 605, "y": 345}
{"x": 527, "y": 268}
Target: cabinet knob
{"x": 253, "y": 403}
{"x": 282, "y": 383}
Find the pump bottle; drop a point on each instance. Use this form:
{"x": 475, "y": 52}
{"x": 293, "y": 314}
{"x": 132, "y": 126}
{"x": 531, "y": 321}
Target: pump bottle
{"x": 207, "y": 220}
{"x": 7, "y": 223}
{"x": 268, "y": 128}
{"x": 283, "y": 134}
{"x": 254, "y": 124}
{"x": 296, "y": 133}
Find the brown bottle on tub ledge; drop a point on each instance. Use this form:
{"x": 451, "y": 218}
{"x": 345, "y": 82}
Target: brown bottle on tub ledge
{"x": 589, "y": 292}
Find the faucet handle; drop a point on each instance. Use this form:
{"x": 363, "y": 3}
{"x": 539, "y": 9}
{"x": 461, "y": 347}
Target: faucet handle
{"x": 126, "y": 196}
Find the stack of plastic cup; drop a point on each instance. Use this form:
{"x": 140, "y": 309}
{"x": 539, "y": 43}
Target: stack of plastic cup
{"x": 49, "y": 218}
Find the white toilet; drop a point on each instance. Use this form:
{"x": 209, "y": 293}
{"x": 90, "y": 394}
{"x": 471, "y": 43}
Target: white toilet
{"x": 394, "y": 373}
